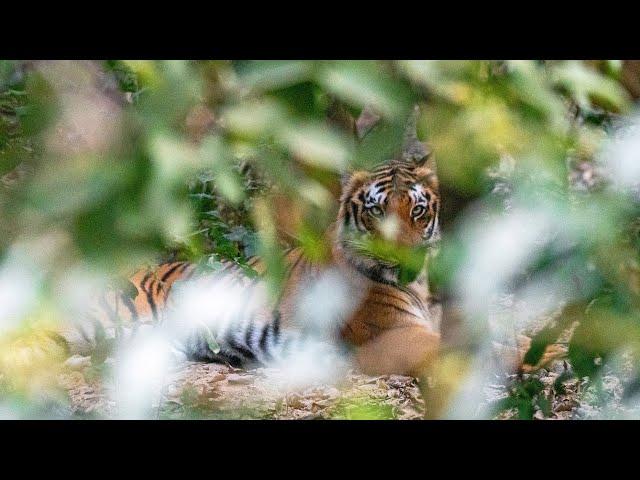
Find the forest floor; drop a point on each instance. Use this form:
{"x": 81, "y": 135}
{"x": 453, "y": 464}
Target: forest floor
{"x": 204, "y": 390}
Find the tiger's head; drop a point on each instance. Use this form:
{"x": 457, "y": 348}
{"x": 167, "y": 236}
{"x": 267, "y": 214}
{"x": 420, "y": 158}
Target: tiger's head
{"x": 396, "y": 203}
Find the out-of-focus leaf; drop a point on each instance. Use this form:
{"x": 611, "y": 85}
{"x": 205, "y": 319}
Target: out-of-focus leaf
{"x": 584, "y": 83}
{"x": 259, "y": 75}
{"x": 361, "y": 83}
{"x": 316, "y": 145}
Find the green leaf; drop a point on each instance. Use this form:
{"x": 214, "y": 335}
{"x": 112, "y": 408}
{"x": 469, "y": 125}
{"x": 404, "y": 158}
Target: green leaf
{"x": 558, "y": 384}
{"x": 583, "y": 360}
{"x": 212, "y": 343}
{"x": 535, "y": 352}
{"x": 362, "y": 83}
{"x": 263, "y": 75}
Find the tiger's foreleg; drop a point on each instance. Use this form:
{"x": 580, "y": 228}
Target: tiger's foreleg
{"x": 413, "y": 351}
{"x": 402, "y": 351}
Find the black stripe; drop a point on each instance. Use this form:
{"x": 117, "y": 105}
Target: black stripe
{"x": 161, "y": 284}
{"x": 264, "y": 337}
{"x": 247, "y": 335}
{"x": 130, "y": 306}
{"x": 347, "y": 216}
{"x": 276, "y": 323}
{"x": 152, "y": 303}
{"x": 144, "y": 279}
{"x": 432, "y": 224}
{"x": 171, "y": 270}
{"x": 382, "y": 170}
{"x": 354, "y": 212}
{"x": 413, "y": 296}
{"x": 184, "y": 267}
{"x": 374, "y": 273}
{"x": 188, "y": 275}
{"x": 235, "y": 345}
{"x": 382, "y": 183}
{"x": 388, "y": 295}
{"x": 247, "y": 354}
{"x": 185, "y": 277}
{"x": 395, "y": 307}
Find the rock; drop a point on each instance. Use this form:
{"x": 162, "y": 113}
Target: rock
{"x": 77, "y": 362}
{"x": 539, "y": 415}
{"x": 241, "y": 379}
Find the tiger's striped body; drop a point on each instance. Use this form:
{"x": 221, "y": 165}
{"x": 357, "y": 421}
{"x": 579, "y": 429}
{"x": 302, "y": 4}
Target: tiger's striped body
{"x": 121, "y": 310}
{"x": 389, "y": 327}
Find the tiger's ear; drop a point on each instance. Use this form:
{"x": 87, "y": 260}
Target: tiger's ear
{"x": 351, "y": 181}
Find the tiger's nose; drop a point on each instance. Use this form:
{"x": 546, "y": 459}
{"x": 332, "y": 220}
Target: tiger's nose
{"x": 390, "y": 228}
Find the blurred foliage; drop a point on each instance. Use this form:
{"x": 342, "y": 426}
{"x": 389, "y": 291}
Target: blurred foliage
{"x": 525, "y": 396}
{"x": 364, "y": 408}
{"x": 117, "y": 164}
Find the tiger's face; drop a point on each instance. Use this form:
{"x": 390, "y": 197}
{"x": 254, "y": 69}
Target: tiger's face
{"x": 397, "y": 203}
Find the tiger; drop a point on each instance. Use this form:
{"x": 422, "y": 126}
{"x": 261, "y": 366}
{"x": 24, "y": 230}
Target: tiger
{"x": 389, "y": 330}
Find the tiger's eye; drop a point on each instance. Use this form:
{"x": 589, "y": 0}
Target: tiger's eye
{"x": 376, "y": 211}
{"x": 417, "y": 211}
